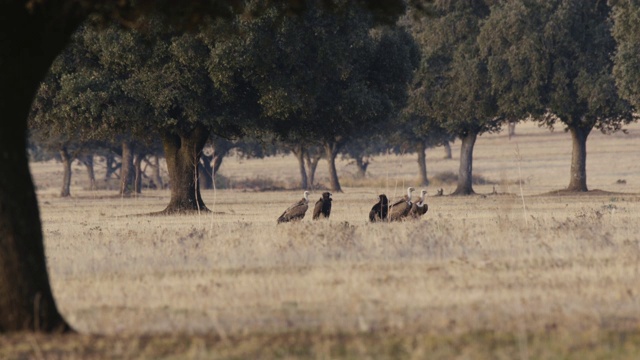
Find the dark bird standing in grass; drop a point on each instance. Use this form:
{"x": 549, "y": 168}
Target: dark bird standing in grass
{"x": 419, "y": 208}
{"x": 296, "y": 211}
{"x": 380, "y": 210}
{"x": 400, "y": 209}
{"x": 323, "y": 206}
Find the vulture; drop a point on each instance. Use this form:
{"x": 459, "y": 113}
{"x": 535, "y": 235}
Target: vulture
{"x": 323, "y": 207}
{"x": 400, "y": 209}
{"x": 296, "y": 211}
{"x": 380, "y": 210}
{"x": 419, "y": 208}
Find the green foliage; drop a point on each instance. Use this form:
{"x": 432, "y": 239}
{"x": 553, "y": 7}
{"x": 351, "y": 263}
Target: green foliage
{"x": 552, "y": 59}
{"x": 626, "y": 30}
{"x": 449, "y": 92}
{"x": 323, "y": 75}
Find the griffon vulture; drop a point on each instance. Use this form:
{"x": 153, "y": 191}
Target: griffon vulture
{"x": 419, "y": 208}
{"x": 380, "y": 210}
{"x": 323, "y": 206}
{"x": 296, "y": 211}
{"x": 400, "y": 209}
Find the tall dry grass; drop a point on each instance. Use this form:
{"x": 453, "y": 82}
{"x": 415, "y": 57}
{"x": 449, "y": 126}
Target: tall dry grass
{"x": 519, "y": 263}
{"x": 471, "y": 264}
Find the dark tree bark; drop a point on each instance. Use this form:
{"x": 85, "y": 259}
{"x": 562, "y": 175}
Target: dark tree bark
{"x": 578, "y": 180}
{"x": 87, "y": 160}
{"x": 298, "y": 151}
{"x": 312, "y": 164}
{"x": 205, "y": 175}
{"x": 137, "y": 165}
{"x": 157, "y": 179}
{"x": 29, "y": 43}
{"x": 465, "y": 173}
{"x": 361, "y": 166}
{"x": 111, "y": 164}
{"x": 447, "y": 150}
{"x": 66, "y": 177}
{"x": 183, "y": 152}
{"x": 331, "y": 151}
{"x": 421, "y": 149}
{"x": 512, "y": 129}
{"x": 218, "y": 156}
{"x": 127, "y": 171}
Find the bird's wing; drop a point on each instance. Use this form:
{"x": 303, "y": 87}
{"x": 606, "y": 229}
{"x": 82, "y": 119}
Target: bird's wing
{"x": 298, "y": 211}
{"x": 317, "y": 210}
{"x": 399, "y": 209}
{"x": 286, "y": 215}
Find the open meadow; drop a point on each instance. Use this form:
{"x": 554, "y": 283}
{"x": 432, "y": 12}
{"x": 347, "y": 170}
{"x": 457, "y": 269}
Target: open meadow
{"x": 515, "y": 272}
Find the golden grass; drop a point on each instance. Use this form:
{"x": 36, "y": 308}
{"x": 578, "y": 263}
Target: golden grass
{"x": 489, "y": 276}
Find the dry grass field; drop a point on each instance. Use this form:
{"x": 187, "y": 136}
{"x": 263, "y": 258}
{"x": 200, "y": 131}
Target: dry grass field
{"x": 521, "y": 274}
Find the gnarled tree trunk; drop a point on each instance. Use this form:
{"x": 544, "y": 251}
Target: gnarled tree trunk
{"x": 331, "y": 151}
{"x": 578, "y": 180}
{"x": 447, "y": 150}
{"x": 30, "y": 41}
{"x": 421, "y": 149}
{"x": 87, "y": 160}
{"x": 66, "y": 177}
{"x": 127, "y": 171}
{"x": 361, "y": 166}
{"x": 298, "y": 151}
{"x": 156, "y": 173}
{"x": 137, "y": 165}
{"x": 312, "y": 164}
{"x": 183, "y": 152}
{"x": 205, "y": 172}
{"x": 111, "y": 164}
{"x": 465, "y": 172}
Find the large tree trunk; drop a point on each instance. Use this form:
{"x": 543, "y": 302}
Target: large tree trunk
{"x": 298, "y": 151}
{"x": 127, "y": 171}
{"x": 465, "y": 173}
{"x": 331, "y": 151}
{"x": 66, "y": 177}
{"x": 30, "y": 41}
{"x": 578, "y": 180}
{"x": 87, "y": 160}
{"x": 421, "y": 149}
{"x": 183, "y": 152}
{"x": 205, "y": 175}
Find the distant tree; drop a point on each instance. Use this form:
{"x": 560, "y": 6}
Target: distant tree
{"x": 415, "y": 133}
{"x": 552, "y": 59}
{"x": 218, "y": 148}
{"x": 450, "y": 88}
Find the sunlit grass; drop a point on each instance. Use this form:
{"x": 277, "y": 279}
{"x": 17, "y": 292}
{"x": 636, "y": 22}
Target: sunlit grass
{"x": 487, "y": 276}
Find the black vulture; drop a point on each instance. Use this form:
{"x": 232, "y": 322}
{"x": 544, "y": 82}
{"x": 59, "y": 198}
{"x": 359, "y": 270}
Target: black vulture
{"x": 323, "y": 206}
{"x": 380, "y": 210}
